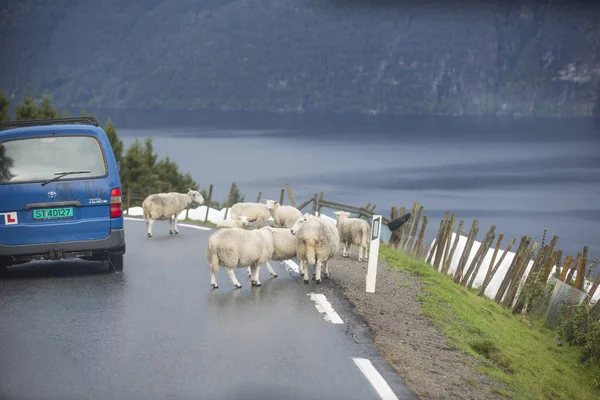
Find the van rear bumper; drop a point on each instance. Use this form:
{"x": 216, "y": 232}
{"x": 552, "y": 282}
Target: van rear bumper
{"x": 113, "y": 243}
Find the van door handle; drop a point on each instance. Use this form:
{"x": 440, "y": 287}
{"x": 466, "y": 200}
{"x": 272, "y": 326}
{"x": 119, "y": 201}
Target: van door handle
{"x": 75, "y": 203}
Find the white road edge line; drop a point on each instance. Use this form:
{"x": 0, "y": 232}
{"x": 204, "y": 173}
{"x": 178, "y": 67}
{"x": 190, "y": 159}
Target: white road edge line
{"x": 201, "y": 228}
{"x": 374, "y": 377}
{"x": 324, "y": 307}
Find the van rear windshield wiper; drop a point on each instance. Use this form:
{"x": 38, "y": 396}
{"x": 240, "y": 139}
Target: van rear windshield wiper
{"x": 61, "y": 174}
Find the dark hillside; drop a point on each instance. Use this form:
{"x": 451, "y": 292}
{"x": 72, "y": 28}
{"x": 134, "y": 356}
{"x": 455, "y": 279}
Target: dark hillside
{"x": 516, "y": 57}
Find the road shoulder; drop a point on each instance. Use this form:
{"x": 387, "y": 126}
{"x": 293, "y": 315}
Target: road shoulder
{"x": 408, "y": 340}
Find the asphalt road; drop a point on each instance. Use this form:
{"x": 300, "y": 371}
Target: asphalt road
{"x": 71, "y": 330}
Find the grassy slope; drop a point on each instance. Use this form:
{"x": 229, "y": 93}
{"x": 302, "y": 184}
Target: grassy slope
{"x": 526, "y": 359}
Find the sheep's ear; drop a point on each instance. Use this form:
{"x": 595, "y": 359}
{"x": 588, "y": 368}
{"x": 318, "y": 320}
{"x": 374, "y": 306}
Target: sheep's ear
{"x": 275, "y": 202}
{"x": 189, "y": 190}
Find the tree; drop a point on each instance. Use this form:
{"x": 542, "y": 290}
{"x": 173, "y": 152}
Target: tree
{"x": 27, "y": 110}
{"x": 115, "y": 142}
{"x": 235, "y": 196}
{"x": 4, "y": 104}
{"x": 46, "y": 110}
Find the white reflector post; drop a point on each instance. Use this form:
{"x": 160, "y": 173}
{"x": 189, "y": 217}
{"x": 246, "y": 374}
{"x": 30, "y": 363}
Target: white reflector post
{"x": 373, "y": 253}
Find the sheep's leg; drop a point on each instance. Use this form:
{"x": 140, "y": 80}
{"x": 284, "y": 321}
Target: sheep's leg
{"x": 175, "y": 223}
{"x": 360, "y": 253}
{"x": 273, "y": 273}
{"x": 306, "y": 273}
{"x": 249, "y": 272}
{"x": 255, "y": 270}
{"x": 365, "y": 254}
{"x": 301, "y": 267}
{"x": 233, "y": 278}
{"x": 171, "y": 225}
{"x": 213, "y": 279}
{"x": 346, "y": 253}
{"x": 149, "y": 226}
{"x": 318, "y": 270}
{"x": 326, "y": 264}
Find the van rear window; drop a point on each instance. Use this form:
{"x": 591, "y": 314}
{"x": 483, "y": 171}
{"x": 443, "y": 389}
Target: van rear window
{"x": 43, "y": 158}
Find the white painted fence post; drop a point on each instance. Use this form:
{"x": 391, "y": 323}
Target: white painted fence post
{"x": 373, "y": 253}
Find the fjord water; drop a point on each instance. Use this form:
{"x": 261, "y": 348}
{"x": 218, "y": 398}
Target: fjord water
{"x": 522, "y": 175}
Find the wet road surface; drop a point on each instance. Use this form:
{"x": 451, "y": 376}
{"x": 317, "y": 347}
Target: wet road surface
{"x": 71, "y": 330}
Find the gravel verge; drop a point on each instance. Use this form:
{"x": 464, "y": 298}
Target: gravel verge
{"x": 408, "y": 340}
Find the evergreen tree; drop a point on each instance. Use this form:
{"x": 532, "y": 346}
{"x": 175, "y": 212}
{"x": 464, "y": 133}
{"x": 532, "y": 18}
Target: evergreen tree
{"x": 27, "y": 110}
{"x": 46, "y": 111}
{"x": 115, "y": 142}
{"x": 235, "y": 196}
{"x": 4, "y": 104}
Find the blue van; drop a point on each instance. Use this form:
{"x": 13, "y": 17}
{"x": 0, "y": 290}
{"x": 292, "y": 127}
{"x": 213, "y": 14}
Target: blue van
{"x": 60, "y": 193}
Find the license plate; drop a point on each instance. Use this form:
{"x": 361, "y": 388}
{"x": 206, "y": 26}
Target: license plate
{"x": 53, "y": 213}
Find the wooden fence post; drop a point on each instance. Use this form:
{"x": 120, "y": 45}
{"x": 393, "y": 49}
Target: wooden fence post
{"x": 228, "y": 205}
{"x": 466, "y": 251}
{"x": 436, "y": 244}
{"x": 418, "y": 249}
{"x": 573, "y": 268}
{"x": 565, "y": 268}
{"x": 579, "y": 280}
{"x": 480, "y": 255}
{"x": 448, "y": 258}
{"x": 393, "y": 216}
{"x": 128, "y": 200}
{"x": 208, "y": 202}
{"x": 320, "y": 201}
{"x": 410, "y": 245}
{"x": 258, "y": 197}
{"x": 441, "y": 242}
{"x": 511, "y": 270}
{"x": 498, "y": 264}
{"x": 314, "y": 206}
{"x": 290, "y": 195}
{"x": 513, "y": 286}
{"x": 281, "y": 194}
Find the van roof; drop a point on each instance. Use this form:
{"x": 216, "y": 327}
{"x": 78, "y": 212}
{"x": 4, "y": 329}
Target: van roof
{"x": 38, "y": 130}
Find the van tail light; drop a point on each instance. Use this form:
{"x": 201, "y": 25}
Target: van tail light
{"x": 115, "y": 203}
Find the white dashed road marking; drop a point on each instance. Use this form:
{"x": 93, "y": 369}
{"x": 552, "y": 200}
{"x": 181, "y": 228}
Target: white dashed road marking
{"x": 324, "y": 307}
{"x": 375, "y": 378}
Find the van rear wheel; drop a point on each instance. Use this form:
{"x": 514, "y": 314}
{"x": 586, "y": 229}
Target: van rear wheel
{"x": 117, "y": 261}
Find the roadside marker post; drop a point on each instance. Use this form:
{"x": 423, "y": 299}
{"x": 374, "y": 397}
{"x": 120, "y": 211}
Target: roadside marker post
{"x": 373, "y": 253}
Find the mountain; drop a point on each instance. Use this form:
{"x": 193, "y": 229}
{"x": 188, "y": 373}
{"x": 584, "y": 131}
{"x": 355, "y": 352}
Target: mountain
{"x": 505, "y": 57}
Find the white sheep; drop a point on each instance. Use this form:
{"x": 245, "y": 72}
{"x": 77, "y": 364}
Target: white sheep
{"x": 317, "y": 242}
{"x": 234, "y": 248}
{"x": 168, "y": 206}
{"x": 284, "y": 247}
{"x": 239, "y": 222}
{"x": 284, "y": 216}
{"x": 254, "y": 211}
{"x": 353, "y": 231}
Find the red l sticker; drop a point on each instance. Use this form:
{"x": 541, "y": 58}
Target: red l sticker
{"x": 11, "y": 218}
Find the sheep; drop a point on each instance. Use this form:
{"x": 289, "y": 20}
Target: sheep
{"x": 234, "y": 248}
{"x": 284, "y": 247}
{"x": 284, "y": 216}
{"x": 317, "y": 242}
{"x": 168, "y": 205}
{"x": 254, "y": 211}
{"x": 239, "y": 222}
{"x": 353, "y": 231}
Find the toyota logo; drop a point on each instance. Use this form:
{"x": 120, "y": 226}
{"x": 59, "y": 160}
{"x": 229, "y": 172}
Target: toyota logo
{"x": 51, "y": 195}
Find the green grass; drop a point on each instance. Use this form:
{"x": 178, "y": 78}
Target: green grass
{"x": 525, "y": 359}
